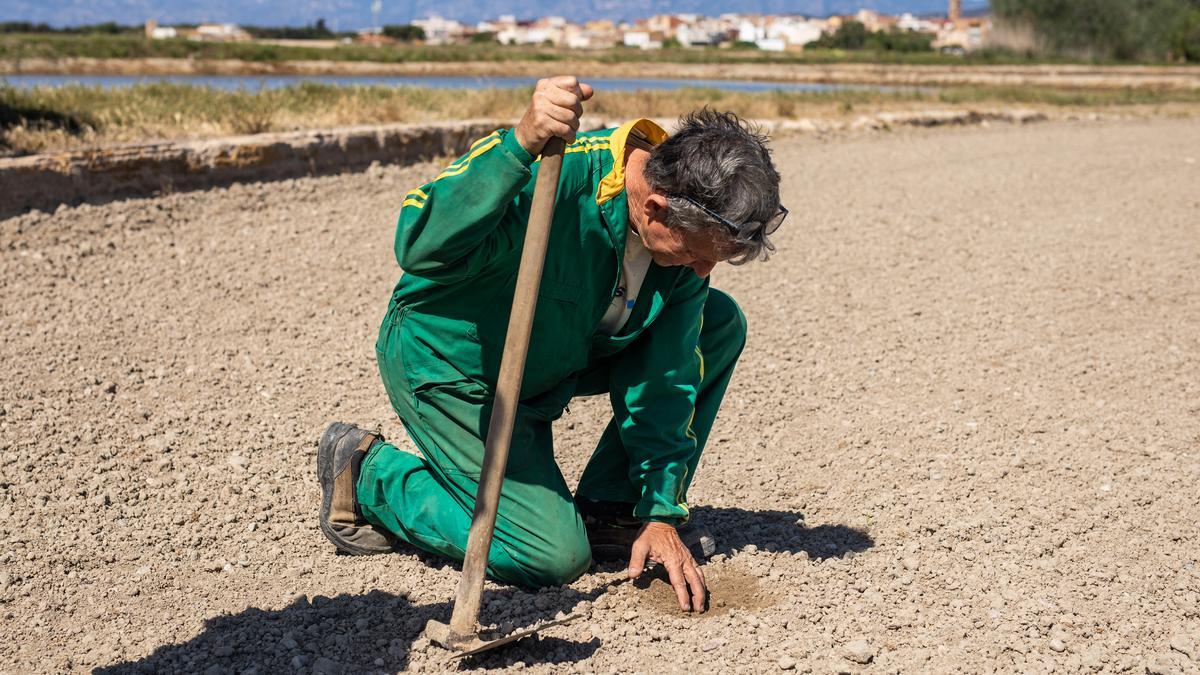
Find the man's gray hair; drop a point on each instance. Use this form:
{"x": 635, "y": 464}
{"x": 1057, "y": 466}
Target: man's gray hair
{"x": 721, "y": 162}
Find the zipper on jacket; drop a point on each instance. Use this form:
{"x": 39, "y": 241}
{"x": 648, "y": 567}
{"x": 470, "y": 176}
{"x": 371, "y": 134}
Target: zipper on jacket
{"x": 616, "y": 282}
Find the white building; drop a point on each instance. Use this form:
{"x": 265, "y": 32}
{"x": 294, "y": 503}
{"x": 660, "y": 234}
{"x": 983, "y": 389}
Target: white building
{"x": 915, "y": 24}
{"x": 640, "y": 39}
{"x": 700, "y": 32}
{"x": 750, "y": 31}
{"x": 439, "y": 31}
{"x": 795, "y": 31}
{"x": 220, "y": 31}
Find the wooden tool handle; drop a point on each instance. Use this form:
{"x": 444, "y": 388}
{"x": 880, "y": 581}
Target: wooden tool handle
{"x": 508, "y": 390}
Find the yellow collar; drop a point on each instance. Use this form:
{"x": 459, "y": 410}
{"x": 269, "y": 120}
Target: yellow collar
{"x": 614, "y": 182}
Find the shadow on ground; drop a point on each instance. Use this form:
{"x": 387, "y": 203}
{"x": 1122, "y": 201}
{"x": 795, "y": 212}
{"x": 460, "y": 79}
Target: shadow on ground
{"x": 377, "y": 631}
{"x": 343, "y": 634}
{"x": 735, "y": 528}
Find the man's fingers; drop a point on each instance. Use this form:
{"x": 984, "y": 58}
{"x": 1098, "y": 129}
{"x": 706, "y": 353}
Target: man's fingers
{"x": 679, "y": 583}
{"x": 554, "y": 110}
{"x": 565, "y": 102}
{"x": 560, "y": 105}
{"x": 560, "y": 129}
{"x": 695, "y": 579}
{"x": 637, "y": 558}
{"x": 565, "y": 115}
{"x": 572, "y": 83}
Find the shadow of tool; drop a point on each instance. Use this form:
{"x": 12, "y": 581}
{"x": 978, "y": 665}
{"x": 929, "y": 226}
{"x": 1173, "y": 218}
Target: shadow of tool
{"x": 377, "y": 631}
{"x": 319, "y": 634}
{"x": 350, "y": 634}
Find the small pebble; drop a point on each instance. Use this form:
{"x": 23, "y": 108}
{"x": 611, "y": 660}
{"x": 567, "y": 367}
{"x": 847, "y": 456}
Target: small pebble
{"x": 786, "y": 663}
{"x": 859, "y": 651}
{"x": 712, "y": 644}
{"x": 1057, "y": 645}
{"x": 326, "y": 666}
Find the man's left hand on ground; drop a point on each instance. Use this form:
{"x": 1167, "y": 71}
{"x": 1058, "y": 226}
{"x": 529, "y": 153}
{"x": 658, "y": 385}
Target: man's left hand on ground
{"x": 660, "y": 543}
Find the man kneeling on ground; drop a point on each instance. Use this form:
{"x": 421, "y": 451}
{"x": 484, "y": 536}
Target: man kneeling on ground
{"x": 625, "y": 308}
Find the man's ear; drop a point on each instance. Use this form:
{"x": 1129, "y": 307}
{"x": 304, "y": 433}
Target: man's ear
{"x": 655, "y": 207}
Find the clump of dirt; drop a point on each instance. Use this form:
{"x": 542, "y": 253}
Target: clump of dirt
{"x": 729, "y": 588}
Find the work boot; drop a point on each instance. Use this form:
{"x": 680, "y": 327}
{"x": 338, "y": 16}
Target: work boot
{"x": 340, "y": 454}
{"x": 612, "y": 528}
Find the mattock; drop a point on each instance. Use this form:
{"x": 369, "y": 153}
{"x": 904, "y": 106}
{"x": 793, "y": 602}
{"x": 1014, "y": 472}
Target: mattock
{"x": 462, "y": 634}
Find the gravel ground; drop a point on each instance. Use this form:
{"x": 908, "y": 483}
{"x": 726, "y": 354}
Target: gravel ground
{"x": 965, "y": 435}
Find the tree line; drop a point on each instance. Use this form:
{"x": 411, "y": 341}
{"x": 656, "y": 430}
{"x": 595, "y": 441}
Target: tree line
{"x": 853, "y": 35}
{"x": 107, "y": 28}
{"x": 314, "y": 31}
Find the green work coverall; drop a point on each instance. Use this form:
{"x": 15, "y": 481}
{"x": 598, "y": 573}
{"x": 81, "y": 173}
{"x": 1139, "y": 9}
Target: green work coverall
{"x": 459, "y": 243}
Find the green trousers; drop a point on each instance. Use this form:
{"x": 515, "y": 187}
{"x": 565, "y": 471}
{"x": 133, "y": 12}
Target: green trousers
{"x": 539, "y": 539}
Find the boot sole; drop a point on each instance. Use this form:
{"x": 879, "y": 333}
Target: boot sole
{"x": 326, "y": 459}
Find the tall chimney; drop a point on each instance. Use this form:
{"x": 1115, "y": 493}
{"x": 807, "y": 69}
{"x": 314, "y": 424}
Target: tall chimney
{"x": 955, "y": 10}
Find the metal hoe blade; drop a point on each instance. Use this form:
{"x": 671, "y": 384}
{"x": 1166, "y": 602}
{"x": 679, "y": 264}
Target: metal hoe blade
{"x": 474, "y": 643}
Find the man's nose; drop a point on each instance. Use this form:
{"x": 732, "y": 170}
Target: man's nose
{"x": 702, "y": 269}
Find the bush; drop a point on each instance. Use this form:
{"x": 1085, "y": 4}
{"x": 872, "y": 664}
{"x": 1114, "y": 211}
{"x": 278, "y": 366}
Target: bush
{"x": 1123, "y": 30}
{"x": 1187, "y": 42}
{"x": 853, "y": 35}
{"x": 405, "y": 33}
{"x": 318, "y": 31}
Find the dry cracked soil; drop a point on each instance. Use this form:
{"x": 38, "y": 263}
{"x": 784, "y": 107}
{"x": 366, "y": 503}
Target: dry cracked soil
{"x": 965, "y": 434}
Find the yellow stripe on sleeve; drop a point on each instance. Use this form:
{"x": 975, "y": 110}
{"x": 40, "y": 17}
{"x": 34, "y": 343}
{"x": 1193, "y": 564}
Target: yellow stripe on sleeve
{"x": 471, "y": 150}
{"x": 679, "y": 493}
{"x": 455, "y": 170}
{"x": 417, "y": 197}
{"x": 603, "y": 145}
{"x": 476, "y": 144}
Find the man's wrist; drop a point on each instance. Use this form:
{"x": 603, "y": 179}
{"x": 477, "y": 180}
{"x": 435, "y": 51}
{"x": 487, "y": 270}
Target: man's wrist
{"x": 513, "y": 144}
{"x": 661, "y": 520}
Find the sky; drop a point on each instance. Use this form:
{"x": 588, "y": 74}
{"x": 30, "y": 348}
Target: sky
{"x": 354, "y": 14}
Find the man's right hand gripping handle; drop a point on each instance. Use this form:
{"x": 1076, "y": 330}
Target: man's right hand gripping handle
{"x": 554, "y": 110}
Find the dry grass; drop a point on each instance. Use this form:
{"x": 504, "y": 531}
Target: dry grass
{"x": 46, "y": 119}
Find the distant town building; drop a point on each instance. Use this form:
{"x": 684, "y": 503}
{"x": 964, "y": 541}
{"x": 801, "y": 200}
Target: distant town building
{"x": 157, "y": 32}
{"x": 641, "y": 39}
{"x": 965, "y": 34}
{"x": 795, "y": 31}
{"x": 771, "y": 44}
{"x": 874, "y": 21}
{"x": 768, "y": 32}
{"x": 751, "y": 29}
{"x": 220, "y": 32}
{"x": 913, "y": 24}
{"x": 439, "y": 31}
